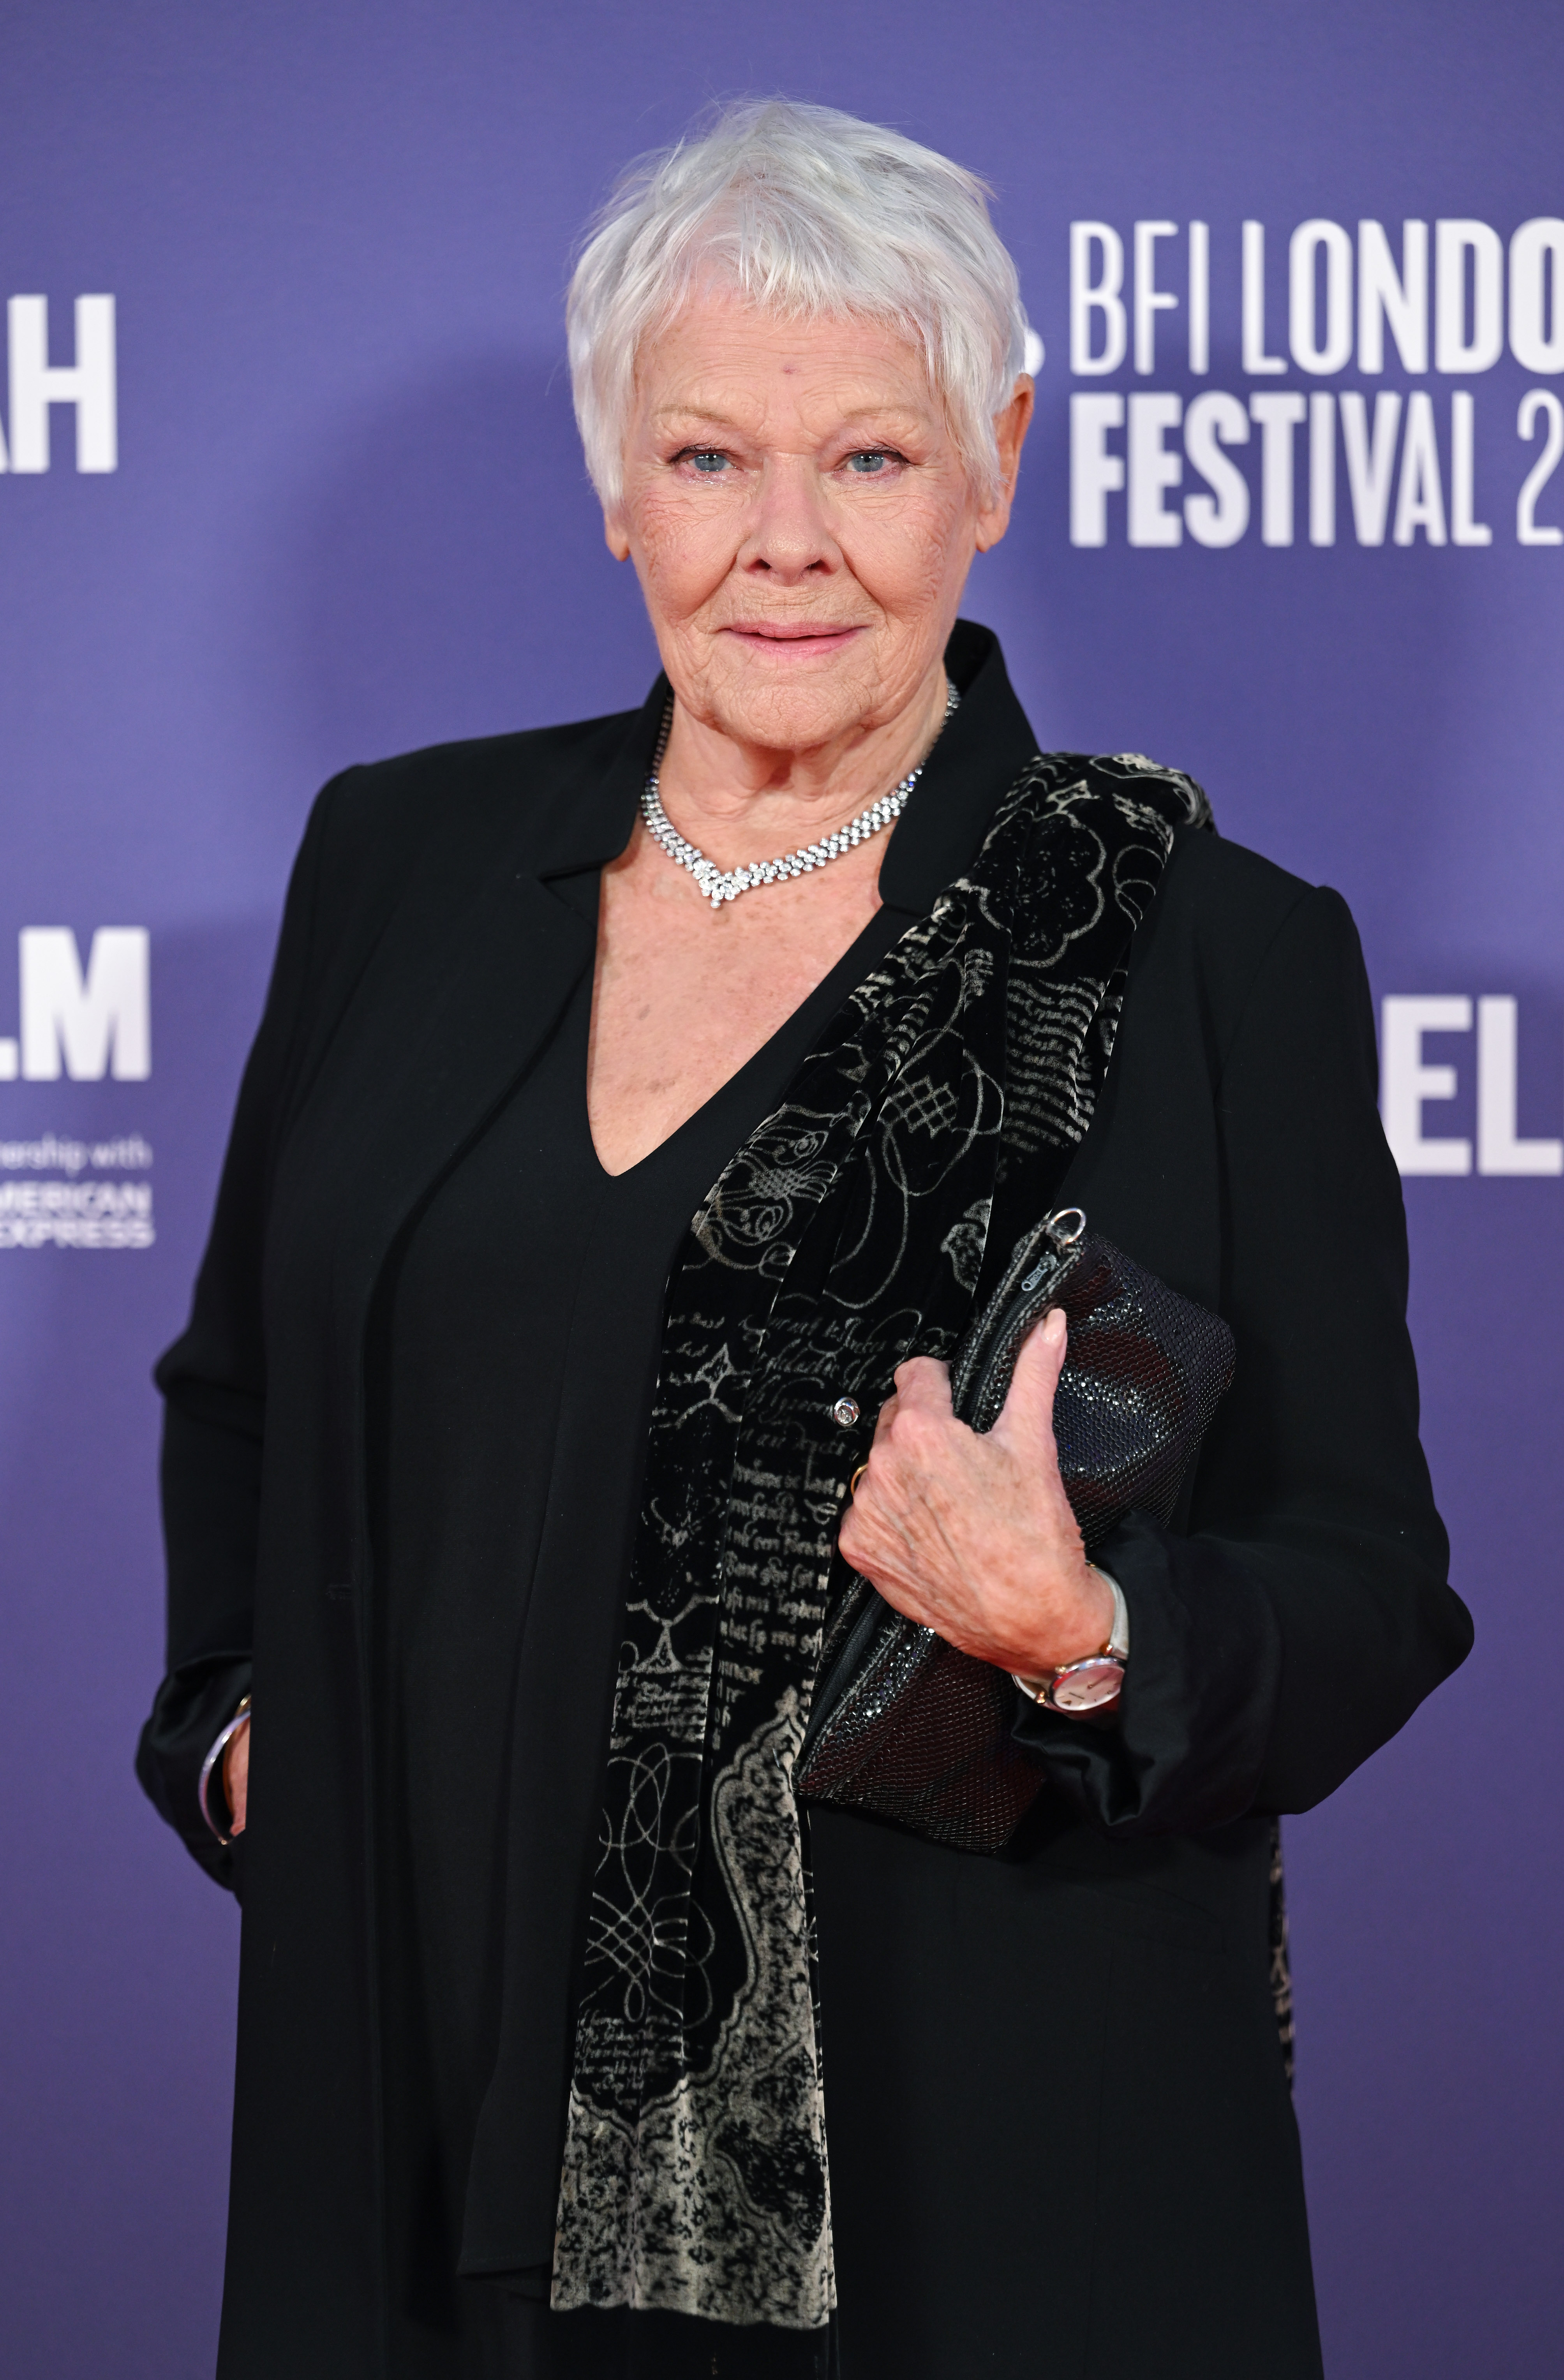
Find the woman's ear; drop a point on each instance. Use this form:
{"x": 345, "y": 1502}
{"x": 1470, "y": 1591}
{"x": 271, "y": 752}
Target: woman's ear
{"x": 615, "y": 535}
{"x": 1009, "y": 435}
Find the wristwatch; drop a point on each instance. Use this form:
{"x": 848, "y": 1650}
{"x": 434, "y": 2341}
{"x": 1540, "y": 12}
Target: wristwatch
{"x": 1093, "y": 1683}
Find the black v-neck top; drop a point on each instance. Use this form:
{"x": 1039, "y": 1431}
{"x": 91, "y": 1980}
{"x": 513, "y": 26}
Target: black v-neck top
{"x": 521, "y": 1361}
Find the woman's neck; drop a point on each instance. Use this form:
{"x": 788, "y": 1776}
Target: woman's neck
{"x": 739, "y": 801}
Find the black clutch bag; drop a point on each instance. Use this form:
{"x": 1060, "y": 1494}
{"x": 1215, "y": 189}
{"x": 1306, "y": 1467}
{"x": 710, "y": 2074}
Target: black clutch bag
{"x": 903, "y": 1725}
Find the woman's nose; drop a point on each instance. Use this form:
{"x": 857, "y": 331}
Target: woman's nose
{"x": 790, "y": 535}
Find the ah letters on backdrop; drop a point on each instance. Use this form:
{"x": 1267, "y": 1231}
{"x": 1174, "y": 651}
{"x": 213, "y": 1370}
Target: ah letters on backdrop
{"x": 36, "y": 384}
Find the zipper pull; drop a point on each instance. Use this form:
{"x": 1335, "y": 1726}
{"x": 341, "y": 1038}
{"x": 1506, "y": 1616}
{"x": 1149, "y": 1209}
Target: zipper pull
{"x": 1063, "y": 1229}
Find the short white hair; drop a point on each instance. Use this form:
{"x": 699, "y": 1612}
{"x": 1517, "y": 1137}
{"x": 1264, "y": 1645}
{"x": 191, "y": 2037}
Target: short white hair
{"x": 812, "y": 214}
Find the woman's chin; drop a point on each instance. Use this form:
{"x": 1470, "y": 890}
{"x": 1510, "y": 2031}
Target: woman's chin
{"x": 794, "y": 717}
{"x": 801, "y": 701}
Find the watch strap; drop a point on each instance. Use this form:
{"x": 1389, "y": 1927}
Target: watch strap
{"x": 1092, "y": 1683}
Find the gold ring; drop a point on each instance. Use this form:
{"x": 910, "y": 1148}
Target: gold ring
{"x": 852, "y": 1483}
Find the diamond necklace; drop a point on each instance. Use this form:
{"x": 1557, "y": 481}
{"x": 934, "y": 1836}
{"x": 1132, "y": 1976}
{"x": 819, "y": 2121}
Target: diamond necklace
{"x": 720, "y": 884}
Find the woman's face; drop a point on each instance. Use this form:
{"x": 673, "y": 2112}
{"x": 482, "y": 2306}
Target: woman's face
{"x": 800, "y": 519}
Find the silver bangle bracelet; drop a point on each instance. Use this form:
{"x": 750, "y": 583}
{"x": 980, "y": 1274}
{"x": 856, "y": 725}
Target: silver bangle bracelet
{"x": 219, "y": 1746}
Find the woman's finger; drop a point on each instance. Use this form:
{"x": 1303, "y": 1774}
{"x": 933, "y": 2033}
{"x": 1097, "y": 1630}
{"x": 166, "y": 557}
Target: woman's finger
{"x": 923, "y": 1385}
{"x": 1026, "y": 1420}
{"x": 236, "y": 1778}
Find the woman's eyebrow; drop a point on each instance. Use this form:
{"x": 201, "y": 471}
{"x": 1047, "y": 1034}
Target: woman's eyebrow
{"x": 891, "y": 416}
{"x": 711, "y": 416}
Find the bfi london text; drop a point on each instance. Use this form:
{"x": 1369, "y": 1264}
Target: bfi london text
{"x": 1152, "y": 466}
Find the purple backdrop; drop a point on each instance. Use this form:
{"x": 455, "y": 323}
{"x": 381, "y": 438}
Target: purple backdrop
{"x": 348, "y": 515}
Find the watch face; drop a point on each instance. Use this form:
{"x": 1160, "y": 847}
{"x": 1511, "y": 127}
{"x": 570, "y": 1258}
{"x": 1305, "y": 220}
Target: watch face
{"x": 1088, "y": 1685}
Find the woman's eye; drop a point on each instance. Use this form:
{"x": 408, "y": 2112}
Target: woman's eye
{"x": 872, "y": 463}
{"x": 709, "y": 460}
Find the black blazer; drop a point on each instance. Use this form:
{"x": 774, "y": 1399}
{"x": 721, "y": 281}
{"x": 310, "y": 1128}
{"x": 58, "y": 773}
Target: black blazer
{"x": 1072, "y": 2104}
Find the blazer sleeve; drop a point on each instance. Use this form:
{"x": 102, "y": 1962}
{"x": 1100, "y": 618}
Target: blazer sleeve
{"x": 213, "y": 1384}
{"x": 1304, "y": 1614}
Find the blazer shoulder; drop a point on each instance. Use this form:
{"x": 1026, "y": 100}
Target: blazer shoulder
{"x": 449, "y": 813}
{"x": 479, "y": 780}
{"x": 428, "y": 830}
{"x": 1221, "y": 912}
{"x": 1224, "y": 887}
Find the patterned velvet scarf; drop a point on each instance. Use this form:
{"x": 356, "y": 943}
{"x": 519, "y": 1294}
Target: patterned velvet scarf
{"x": 848, "y": 1233}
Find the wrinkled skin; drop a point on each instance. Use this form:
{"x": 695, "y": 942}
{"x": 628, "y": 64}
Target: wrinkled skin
{"x": 974, "y": 1536}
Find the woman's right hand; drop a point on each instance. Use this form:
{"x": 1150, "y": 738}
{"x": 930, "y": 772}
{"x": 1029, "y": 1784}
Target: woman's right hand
{"x": 235, "y": 1776}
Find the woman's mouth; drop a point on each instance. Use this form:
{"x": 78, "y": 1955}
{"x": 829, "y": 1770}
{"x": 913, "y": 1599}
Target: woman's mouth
{"x": 801, "y": 638}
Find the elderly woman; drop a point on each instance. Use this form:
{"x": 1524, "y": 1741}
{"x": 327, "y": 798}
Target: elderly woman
{"x": 641, "y": 1112}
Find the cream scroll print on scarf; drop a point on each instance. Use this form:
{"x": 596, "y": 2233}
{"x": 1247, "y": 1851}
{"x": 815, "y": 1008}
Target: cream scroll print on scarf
{"x": 847, "y": 1233}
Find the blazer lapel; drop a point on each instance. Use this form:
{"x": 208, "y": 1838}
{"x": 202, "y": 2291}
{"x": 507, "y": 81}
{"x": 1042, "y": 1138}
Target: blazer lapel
{"x": 468, "y": 980}
{"x": 468, "y": 977}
